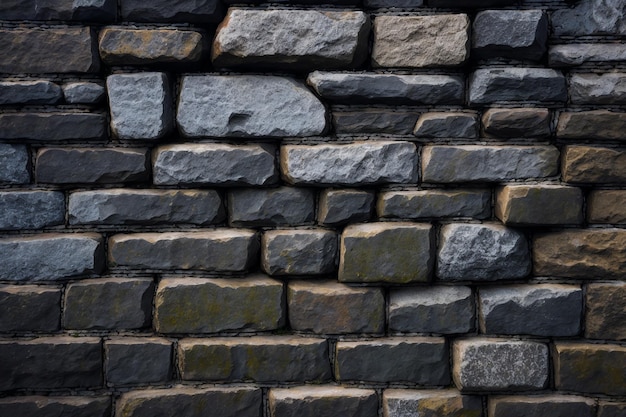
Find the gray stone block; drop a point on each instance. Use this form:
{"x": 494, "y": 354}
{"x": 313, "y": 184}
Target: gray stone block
{"x": 283, "y": 206}
{"x": 248, "y": 105}
{"x": 611, "y": 408}
{"x": 434, "y": 203}
{"x": 341, "y": 206}
{"x": 594, "y": 124}
{"x": 605, "y": 315}
{"x": 29, "y": 92}
{"x": 83, "y": 93}
{"x": 517, "y": 123}
{"x": 470, "y": 3}
{"x": 137, "y": 360}
{"x": 598, "y": 88}
{"x": 21, "y": 210}
{"x": 55, "y": 406}
{"x": 183, "y": 11}
{"x": 299, "y": 252}
{"x": 430, "y": 403}
{"x": 30, "y": 308}
{"x": 447, "y": 125}
{"x": 482, "y": 252}
{"x": 387, "y": 121}
{"x": 108, "y": 303}
{"x": 438, "y": 309}
{"x": 571, "y": 55}
{"x": 591, "y": 17}
{"x": 14, "y": 164}
{"x": 384, "y": 4}
{"x": 84, "y": 10}
{"x": 545, "y": 405}
{"x": 53, "y": 126}
{"x": 315, "y": 401}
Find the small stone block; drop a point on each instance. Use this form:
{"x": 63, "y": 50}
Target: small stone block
{"x": 21, "y": 210}
{"x": 611, "y": 409}
{"x": 434, "y": 203}
{"x": 594, "y": 124}
{"x": 342, "y": 206}
{"x": 298, "y": 252}
{"x": 516, "y": 123}
{"x": 30, "y": 308}
{"x": 607, "y": 88}
{"x": 591, "y": 164}
{"x": 183, "y": 11}
{"x": 55, "y": 406}
{"x": 607, "y": 206}
{"x": 541, "y": 204}
{"x": 83, "y": 93}
{"x": 545, "y": 405}
{"x": 371, "y": 120}
{"x": 137, "y": 360}
{"x": 493, "y": 85}
{"x": 441, "y": 125}
{"x": 572, "y": 55}
{"x": 282, "y": 206}
{"x": 315, "y": 401}
{"x": 53, "y": 126}
{"x": 605, "y": 316}
{"x": 29, "y": 92}
{"x": 430, "y": 403}
{"x": 14, "y": 164}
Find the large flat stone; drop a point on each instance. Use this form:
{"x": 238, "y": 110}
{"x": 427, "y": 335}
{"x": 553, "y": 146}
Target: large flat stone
{"x": 53, "y": 126}
{"x": 299, "y": 252}
{"x": 20, "y": 210}
{"x": 430, "y": 403}
{"x": 516, "y": 123}
{"x": 591, "y": 17}
{"x": 282, "y": 206}
{"x": 594, "y": 124}
{"x": 183, "y": 11}
{"x": 572, "y": 55}
{"x": 14, "y": 164}
{"x": 544, "y": 405}
{"x": 607, "y": 206}
{"x": 102, "y": 11}
{"x": 598, "y": 88}
{"x": 137, "y": 360}
{"x": 434, "y": 203}
{"x": 592, "y": 164}
{"x": 315, "y": 401}
{"x": 605, "y": 316}
{"x": 30, "y": 308}
{"x": 29, "y": 92}
{"x": 55, "y": 406}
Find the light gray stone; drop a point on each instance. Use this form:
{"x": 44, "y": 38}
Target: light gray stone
{"x": 14, "y": 164}
{"x": 298, "y": 252}
{"x": 315, "y": 401}
{"x": 492, "y": 85}
{"x": 571, "y": 55}
{"x": 430, "y": 403}
{"x": 137, "y": 360}
{"x": 447, "y": 125}
{"x": 359, "y": 163}
{"x": 591, "y": 17}
{"x": 31, "y": 209}
{"x": 83, "y": 93}
{"x": 29, "y": 92}
{"x": 345, "y": 206}
{"x": 248, "y": 105}
{"x": 434, "y": 203}
{"x": 607, "y": 88}
{"x": 53, "y": 126}
{"x": 544, "y": 405}
{"x": 55, "y": 406}
{"x": 30, "y": 308}
{"x": 482, "y": 252}
{"x": 282, "y": 206}
{"x": 183, "y": 11}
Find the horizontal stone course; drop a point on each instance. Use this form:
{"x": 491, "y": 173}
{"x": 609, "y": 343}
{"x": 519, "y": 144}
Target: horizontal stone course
{"x": 91, "y": 11}
{"x": 572, "y": 55}
{"x": 30, "y": 308}
{"x": 553, "y": 405}
{"x": 53, "y": 406}
{"x": 20, "y": 210}
{"x": 434, "y": 203}
{"x": 53, "y": 126}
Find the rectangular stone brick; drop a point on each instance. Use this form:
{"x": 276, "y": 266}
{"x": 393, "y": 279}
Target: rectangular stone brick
{"x": 405, "y": 402}
{"x": 494, "y": 85}
{"x": 594, "y": 124}
{"x": 282, "y": 206}
{"x": 470, "y": 3}
{"x": 611, "y": 409}
{"x": 516, "y": 123}
{"x": 51, "y": 362}
{"x": 544, "y": 405}
{"x": 137, "y": 360}
{"x": 89, "y": 11}
{"x": 30, "y": 308}
{"x": 299, "y": 252}
{"x": 202, "y": 305}
{"x": 53, "y": 126}
{"x": 341, "y": 206}
{"x": 606, "y": 206}
{"x": 421, "y": 204}
{"x": 592, "y": 164}
{"x": 55, "y": 406}
{"x": 587, "y": 368}
{"x": 572, "y": 55}
{"x": 605, "y": 316}
{"x": 30, "y": 92}
{"x": 14, "y": 164}
{"x": 258, "y": 358}
{"x": 49, "y": 257}
{"x": 446, "y": 125}
{"x": 183, "y": 11}
{"x": 414, "y": 360}
{"x": 372, "y": 120}
{"x": 315, "y": 401}
{"x": 539, "y": 204}
{"x": 21, "y": 210}
{"x": 220, "y": 250}
{"x": 607, "y": 88}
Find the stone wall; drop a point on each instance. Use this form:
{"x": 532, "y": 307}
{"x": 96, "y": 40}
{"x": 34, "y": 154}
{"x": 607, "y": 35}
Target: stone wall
{"x": 311, "y": 209}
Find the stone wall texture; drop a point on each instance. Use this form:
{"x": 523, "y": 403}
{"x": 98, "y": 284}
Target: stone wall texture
{"x": 350, "y": 208}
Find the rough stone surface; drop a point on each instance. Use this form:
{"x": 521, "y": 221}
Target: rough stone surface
{"x": 516, "y": 123}
{"x": 545, "y": 405}
{"x": 426, "y": 41}
{"x": 282, "y": 206}
{"x": 474, "y": 163}
{"x": 611, "y": 409}
{"x": 141, "y": 105}
{"x": 126, "y": 46}
{"x": 342, "y": 206}
{"x": 323, "y": 401}
{"x": 248, "y": 105}
{"x": 298, "y": 252}
{"x": 598, "y": 88}
{"x": 396, "y": 252}
{"x": 108, "y": 303}
{"x": 605, "y": 317}
{"x": 376, "y": 4}
{"x": 581, "y": 53}
{"x": 83, "y": 93}
{"x": 84, "y": 10}
{"x": 517, "y": 34}
{"x": 607, "y": 206}
{"x": 215, "y": 164}
{"x": 51, "y": 50}
{"x": 446, "y": 125}
{"x": 493, "y": 85}
{"x": 588, "y": 368}
{"x": 91, "y": 165}
{"x": 201, "y": 305}
{"x": 482, "y": 364}
{"x": 581, "y": 254}
{"x": 353, "y": 88}
{"x": 590, "y": 164}
{"x": 53, "y": 126}
{"x": 14, "y": 164}
{"x": 220, "y": 250}
{"x": 257, "y": 358}
{"x": 417, "y": 360}
{"x": 329, "y": 307}
{"x": 482, "y": 252}
{"x": 591, "y": 17}
{"x": 434, "y": 203}
{"x": 358, "y": 163}
{"x": 125, "y": 206}
{"x": 538, "y": 310}
{"x": 299, "y": 39}
{"x": 594, "y": 124}
{"x": 441, "y": 310}
{"x": 470, "y": 3}
{"x": 29, "y": 308}
{"x": 541, "y": 204}
{"x": 183, "y": 11}
{"x": 49, "y": 257}
{"x": 21, "y": 210}
{"x": 430, "y": 403}
{"x": 51, "y": 362}
{"x": 137, "y": 360}
{"x": 55, "y": 406}
{"x": 29, "y": 92}
{"x": 374, "y": 121}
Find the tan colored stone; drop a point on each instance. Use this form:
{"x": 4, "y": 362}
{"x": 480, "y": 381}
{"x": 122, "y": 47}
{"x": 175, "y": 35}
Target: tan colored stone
{"x": 590, "y": 164}
{"x": 430, "y": 403}
{"x": 541, "y": 204}
{"x": 606, "y": 311}
{"x": 595, "y": 124}
{"x": 607, "y": 206}
{"x": 516, "y": 123}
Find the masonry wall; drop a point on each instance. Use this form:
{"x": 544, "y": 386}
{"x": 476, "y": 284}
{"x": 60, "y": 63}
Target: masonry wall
{"x": 362, "y": 208}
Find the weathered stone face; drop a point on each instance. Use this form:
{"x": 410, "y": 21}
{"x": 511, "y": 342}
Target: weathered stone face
{"x": 581, "y": 53}
{"x": 607, "y": 206}
{"x": 446, "y": 125}
{"x": 195, "y": 11}
{"x": 516, "y": 123}
{"x": 430, "y": 403}
{"x": 554, "y": 405}
{"x": 38, "y": 406}
{"x": 540, "y": 85}
{"x": 595, "y": 124}
{"x": 598, "y": 88}
{"x": 29, "y": 92}
{"x": 594, "y": 164}
{"x": 605, "y": 317}
{"x": 345, "y": 206}
{"x": 374, "y": 121}
{"x": 434, "y": 203}
{"x": 53, "y": 126}
{"x": 319, "y": 401}
{"x": 84, "y": 10}
{"x": 283, "y": 206}
{"x": 83, "y": 93}
{"x": 14, "y": 164}
{"x": 591, "y": 17}
{"x": 304, "y": 252}
{"x": 30, "y": 308}
{"x": 139, "y": 360}
{"x": 31, "y": 209}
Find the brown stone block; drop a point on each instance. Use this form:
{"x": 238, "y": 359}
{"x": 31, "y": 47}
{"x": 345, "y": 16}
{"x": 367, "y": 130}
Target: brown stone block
{"x": 541, "y": 204}
{"x": 606, "y": 311}
{"x": 516, "y": 123}
{"x": 590, "y": 164}
{"x": 596, "y": 124}
{"x": 607, "y": 206}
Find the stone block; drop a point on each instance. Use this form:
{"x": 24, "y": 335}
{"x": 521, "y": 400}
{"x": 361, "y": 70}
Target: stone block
{"x": 436, "y": 309}
{"x": 120, "y": 45}
{"x": 383, "y": 4}
{"x": 102, "y": 11}
{"x": 516, "y": 123}
{"x": 588, "y": 368}
{"x": 53, "y": 126}
{"x": 605, "y": 316}
{"x": 203, "y": 305}
{"x": 314, "y": 401}
{"x": 581, "y": 254}
{"x": 50, "y": 257}
{"x": 421, "y": 41}
{"x": 342, "y": 206}
{"x": 148, "y": 207}
{"x": 611, "y": 409}
{"x": 14, "y": 164}
{"x": 421, "y": 204}
{"x": 539, "y": 310}
{"x": 282, "y": 206}
{"x": 51, "y": 362}
{"x": 29, "y": 92}
{"x": 470, "y": 3}
{"x": 598, "y": 88}
{"x": 191, "y": 402}
{"x": 398, "y": 252}
{"x": 83, "y": 92}
{"x": 354, "y": 88}
{"x": 572, "y": 55}
{"x": 50, "y": 50}
{"x": 183, "y": 11}
{"x": 329, "y": 307}
{"x": 430, "y": 403}
{"x": 141, "y": 105}
{"x": 593, "y": 164}
{"x": 591, "y": 17}
{"x": 214, "y": 164}
{"x": 108, "y": 304}
{"x": 248, "y": 106}
{"x": 607, "y": 206}
{"x": 91, "y": 165}
{"x": 258, "y": 359}
{"x": 20, "y": 210}
{"x": 298, "y": 252}
{"x": 482, "y": 364}
{"x": 537, "y": 85}
{"x": 475, "y": 163}
{"x": 413, "y": 360}
{"x": 137, "y": 360}
{"x": 516, "y": 34}
{"x": 446, "y": 125}
{"x": 544, "y": 405}
{"x": 30, "y": 308}
{"x": 358, "y": 163}
{"x": 594, "y": 124}
{"x": 373, "y": 120}
{"x": 219, "y": 250}
{"x": 55, "y": 406}
{"x": 299, "y": 40}
{"x": 540, "y": 204}
{"x": 482, "y": 252}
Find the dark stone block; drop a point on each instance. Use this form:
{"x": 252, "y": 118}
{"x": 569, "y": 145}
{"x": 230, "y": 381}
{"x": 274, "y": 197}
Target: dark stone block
{"x": 53, "y": 126}
{"x": 29, "y": 308}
